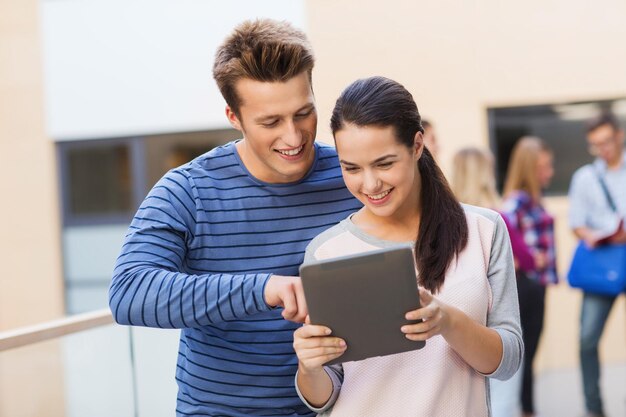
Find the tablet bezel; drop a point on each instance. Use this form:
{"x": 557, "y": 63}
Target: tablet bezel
{"x": 363, "y": 298}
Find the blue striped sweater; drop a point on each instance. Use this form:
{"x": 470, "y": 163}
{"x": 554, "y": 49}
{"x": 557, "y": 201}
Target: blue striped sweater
{"x": 197, "y": 256}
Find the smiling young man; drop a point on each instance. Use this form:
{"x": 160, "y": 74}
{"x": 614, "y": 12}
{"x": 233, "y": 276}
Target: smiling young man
{"x": 590, "y": 217}
{"x": 215, "y": 247}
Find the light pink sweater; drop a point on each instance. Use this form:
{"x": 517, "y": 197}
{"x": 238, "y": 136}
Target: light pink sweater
{"x": 433, "y": 381}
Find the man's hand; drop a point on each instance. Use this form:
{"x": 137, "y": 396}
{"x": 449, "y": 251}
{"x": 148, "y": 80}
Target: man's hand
{"x": 286, "y": 292}
{"x": 591, "y": 241}
{"x": 619, "y": 237}
{"x": 588, "y": 236}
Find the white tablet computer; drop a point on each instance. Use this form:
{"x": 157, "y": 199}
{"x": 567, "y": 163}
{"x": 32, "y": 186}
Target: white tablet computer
{"x": 363, "y": 299}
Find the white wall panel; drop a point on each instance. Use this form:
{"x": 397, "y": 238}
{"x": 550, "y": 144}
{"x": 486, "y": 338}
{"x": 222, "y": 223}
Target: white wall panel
{"x": 126, "y": 67}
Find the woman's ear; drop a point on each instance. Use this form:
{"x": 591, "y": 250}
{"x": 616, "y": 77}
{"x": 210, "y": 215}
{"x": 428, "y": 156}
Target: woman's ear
{"x": 418, "y": 144}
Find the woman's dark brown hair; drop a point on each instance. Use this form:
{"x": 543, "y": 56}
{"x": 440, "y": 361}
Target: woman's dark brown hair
{"x": 379, "y": 101}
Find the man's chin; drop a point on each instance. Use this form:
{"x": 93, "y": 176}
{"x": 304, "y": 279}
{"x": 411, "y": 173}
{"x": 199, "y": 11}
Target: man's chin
{"x": 295, "y": 171}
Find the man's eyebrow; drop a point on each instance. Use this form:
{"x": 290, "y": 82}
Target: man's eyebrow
{"x": 309, "y": 106}
{"x": 267, "y": 117}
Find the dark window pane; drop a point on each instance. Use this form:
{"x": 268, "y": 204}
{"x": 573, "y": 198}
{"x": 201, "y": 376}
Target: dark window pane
{"x": 99, "y": 180}
{"x": 562, "y": 126}
{"x": 164, "y": 152}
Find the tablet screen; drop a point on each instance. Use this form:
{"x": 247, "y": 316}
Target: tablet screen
{"x": 363, "y": 298}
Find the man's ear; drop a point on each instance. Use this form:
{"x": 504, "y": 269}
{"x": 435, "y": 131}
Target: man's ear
{"x": 418, "y": 144}
{"x": 233, "y": 119}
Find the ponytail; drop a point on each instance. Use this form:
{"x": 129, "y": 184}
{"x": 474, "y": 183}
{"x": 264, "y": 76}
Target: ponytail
{"x": 443, "y": 231}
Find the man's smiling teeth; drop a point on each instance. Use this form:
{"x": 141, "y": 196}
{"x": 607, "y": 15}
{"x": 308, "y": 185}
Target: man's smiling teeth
{"x": 379, "y": 196}
{"x": 291, "y": 152}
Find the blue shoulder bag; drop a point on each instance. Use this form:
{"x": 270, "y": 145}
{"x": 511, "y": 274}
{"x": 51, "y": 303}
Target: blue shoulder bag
{"x": 601, "y": 270}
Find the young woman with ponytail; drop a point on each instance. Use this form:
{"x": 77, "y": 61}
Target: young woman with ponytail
{"x": 465, "y": 270}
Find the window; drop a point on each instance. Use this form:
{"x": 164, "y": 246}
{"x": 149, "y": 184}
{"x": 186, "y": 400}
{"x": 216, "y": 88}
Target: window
{"x": 99, "y": 179}
{"x": 103, "y": 181}
{"x": 98, "y": 183}
{"x": 562, "y": 126}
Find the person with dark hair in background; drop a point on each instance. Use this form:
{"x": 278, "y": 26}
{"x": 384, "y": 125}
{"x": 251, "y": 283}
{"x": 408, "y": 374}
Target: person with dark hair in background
{"x": 464, "y": 263}
{"x": 590, "y": 217}
{"x": 529, "y": 173}
{"x": 215, "y": 246}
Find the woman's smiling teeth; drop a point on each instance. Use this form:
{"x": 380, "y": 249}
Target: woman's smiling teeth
{"x": 291, "y": 152}
{"x": 379, "y": 196}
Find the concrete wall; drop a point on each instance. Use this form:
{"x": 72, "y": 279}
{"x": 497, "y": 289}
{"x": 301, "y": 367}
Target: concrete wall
{"x": 459, "y": 58}
{"x": 30, "y": 283}
{"x": 119, "y": 67}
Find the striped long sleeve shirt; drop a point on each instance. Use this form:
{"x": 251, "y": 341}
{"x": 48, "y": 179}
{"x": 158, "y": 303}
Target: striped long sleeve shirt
{"x": 197, "y": 256}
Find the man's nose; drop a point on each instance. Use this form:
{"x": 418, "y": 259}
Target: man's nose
{"x": 292, "y": 136}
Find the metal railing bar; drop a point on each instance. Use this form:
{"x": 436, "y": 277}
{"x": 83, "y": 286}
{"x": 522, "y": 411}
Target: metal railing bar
{"x": 28, "y": 335}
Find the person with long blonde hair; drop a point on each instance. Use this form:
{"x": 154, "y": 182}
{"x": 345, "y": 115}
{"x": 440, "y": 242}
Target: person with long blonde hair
{"x": 529, "y": 173}
{"x": 473, "y": 180}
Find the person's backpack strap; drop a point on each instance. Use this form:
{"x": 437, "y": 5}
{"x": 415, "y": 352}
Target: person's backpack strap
{"x": 605, "y": 189}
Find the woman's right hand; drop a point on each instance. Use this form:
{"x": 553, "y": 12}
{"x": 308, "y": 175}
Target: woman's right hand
{"x": 541, "y": 260}
{"x": 314, "y": 346}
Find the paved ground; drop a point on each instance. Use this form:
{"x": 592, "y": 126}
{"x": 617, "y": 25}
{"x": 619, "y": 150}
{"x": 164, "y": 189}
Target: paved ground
{"x": 559, "y": 393}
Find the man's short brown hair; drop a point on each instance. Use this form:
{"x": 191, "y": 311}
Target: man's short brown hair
{"x": 604, "y": 118}
{"x": 262, "y": 50}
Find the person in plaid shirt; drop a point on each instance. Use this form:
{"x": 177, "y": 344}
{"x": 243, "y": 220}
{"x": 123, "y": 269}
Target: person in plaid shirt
{"x": 530, "y": 171}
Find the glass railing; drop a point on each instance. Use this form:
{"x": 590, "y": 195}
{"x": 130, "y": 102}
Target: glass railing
{"x": 86, "y": 366}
